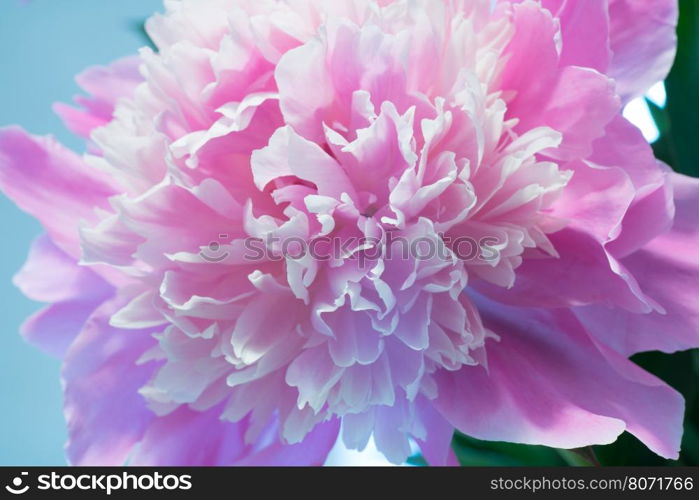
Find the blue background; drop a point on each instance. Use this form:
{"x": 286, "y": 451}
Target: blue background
{"x": 43, "y": 45}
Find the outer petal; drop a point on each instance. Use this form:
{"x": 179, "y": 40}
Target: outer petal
{"x": 584, "y": 32}
{"x": 106, "y": 414}
{"x": 668, "y": 271}
{"x": 151, "y": 227}
{"x": 436, "y": 447}
{"x": 193, "y": 438}
{"x": 109, "y": 422}
{"x": 106, "y": 85}
{"x": 313, "y": 450}
{"x": 643, "y": 42}
{"x": 190, "y": 438}
{"x": 51, "y": 183}
{"x": 577, "y": 101}
{"x": 578, "y": 89}
{"x": 584, "y": 272}
{"x": 548, "y": 383}
{"x": 53, "y": 328}
{"x": 651, "y": 212}
{"x": 49, "y": 275}
{"x": 534, "y": 40}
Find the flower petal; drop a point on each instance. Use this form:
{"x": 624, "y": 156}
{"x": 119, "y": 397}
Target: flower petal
{"x": 643, "y": 41}
{"x": 668, "y": 271}
{"x": 51, "y": 183}
{"x": 548, "y": 383}
{"x": 106, "y": 85}
{"x": 106, "y": 415}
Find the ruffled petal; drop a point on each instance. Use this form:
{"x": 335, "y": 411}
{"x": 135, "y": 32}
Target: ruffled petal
{"x": 51, "y": 183}
{"x": 105, "y": 412}
{"x": 584, "y": 32}
{"x": 49, "y": 275}
{"x": 643, "y": 43}
{"x": 651, "y": 211}
{"x": 668, "y": 271}
{"x": 105, "y": 86}
{"x": 436, "y": 446}
{"x": 548, "y": 383}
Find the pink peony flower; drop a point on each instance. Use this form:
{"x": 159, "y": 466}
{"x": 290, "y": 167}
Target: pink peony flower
{"x": 399, "y": 130}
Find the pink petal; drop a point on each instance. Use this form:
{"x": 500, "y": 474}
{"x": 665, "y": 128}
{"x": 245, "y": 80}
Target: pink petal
{"x": 651, "y": 212}
{"x": 534, "y": 40}
{"x": 548, "y": 383}
{"x": 290, "y": 154}
{"x": 106, "y": 85}
{"x": 151, "y": 227}
{"x": 580, "y": 106}
{"x": 51, "y": 183}
{"x": 585, "y": 272}
{"x": 193, "y": 438}
{"x": 313, "y": 450}
{"x": 49, "y": 275}
{"x": 357, "y": 341}
{"x": 53, "y": 328}
{"x": 106, "y": 415}
{"x": 643, "y": 41}
{"x": 584, "y": 32}
{"x": 668, "y": 271}
{"x": 436, "y": 446}
{"x": 190, "y": 438}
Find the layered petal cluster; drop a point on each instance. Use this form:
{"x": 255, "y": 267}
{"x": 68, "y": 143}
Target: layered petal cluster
{"x": 393, "y": 218}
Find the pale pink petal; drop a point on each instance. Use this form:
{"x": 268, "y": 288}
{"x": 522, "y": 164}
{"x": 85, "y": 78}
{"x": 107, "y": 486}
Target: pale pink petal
{"x": 105, "y": 86}
{"x": 313, "y": 450}
{"x": 51, "y": 183}
{"x": 50, "y": 275}
{"x": 580, "y": 105}
{"x": 190, "y": 438}
{"x": 643, "y": 43}
{"x": 667, "y": 270}
{"x": 651, "y": 212}
{"x": 436, "y": 446}
{"x": 584, "y": 32}
{"x": 548, "y": 383}
{"x": 106, "y": 415}
{"x": 53, "y": 328}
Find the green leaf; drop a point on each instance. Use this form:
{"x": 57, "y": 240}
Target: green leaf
{"x": 678, "y": 145}
{"x": 580, "y": 457}
{"x": 472, "y": 452}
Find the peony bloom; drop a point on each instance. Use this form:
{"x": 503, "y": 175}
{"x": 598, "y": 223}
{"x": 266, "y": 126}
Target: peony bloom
{"x": 398, "y": 130}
